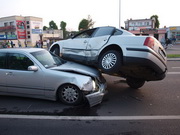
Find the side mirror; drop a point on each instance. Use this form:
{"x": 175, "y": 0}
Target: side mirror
{"x": 33, "y": 68}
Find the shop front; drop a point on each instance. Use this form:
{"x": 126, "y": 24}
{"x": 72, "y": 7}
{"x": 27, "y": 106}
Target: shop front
{"x": 174, "y": 33}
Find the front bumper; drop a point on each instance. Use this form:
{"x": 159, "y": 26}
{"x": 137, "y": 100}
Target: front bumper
{"x": 97, "y": 97}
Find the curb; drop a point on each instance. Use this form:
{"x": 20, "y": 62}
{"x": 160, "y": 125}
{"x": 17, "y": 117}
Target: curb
{"x": 173, "y": 59}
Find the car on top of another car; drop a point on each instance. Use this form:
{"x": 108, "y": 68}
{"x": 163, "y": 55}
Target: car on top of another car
{"x": 116, "y": 52}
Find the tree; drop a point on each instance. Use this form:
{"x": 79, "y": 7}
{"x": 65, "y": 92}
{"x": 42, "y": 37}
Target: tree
{"x": 63, "y": 28}
{"x": 45, "y": 27}
{"x": 83, "y": 25}
{"x": 53, "y": 25}
{"x": 86, "y": 23}
{"x": 155, "y": 17}
{"x": 90, "y": 22}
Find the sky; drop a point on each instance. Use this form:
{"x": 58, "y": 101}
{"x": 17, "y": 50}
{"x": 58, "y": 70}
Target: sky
{"x": 102, "y": 12}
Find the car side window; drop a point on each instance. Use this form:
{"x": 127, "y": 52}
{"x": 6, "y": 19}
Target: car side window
{"x": 85, "y": 34}
{"x": 18, "y": 61}
{"x": 2, "y": 60}
{"x": 118, "y": 32}
{"x": 104, "y": 31}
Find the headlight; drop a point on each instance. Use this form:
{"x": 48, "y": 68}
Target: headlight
{"x": 90, "y": 85}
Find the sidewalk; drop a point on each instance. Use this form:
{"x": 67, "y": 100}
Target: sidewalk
{"x": 173, "y": 50}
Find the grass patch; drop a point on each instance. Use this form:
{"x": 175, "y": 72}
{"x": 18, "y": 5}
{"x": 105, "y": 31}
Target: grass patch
{"x": 173, "y": 55}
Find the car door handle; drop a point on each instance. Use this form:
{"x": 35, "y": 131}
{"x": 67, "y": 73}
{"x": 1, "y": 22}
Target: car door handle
{"x": 9, "y": 73}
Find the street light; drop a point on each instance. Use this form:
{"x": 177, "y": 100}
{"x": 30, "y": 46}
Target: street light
{"x": 119, "y": 13}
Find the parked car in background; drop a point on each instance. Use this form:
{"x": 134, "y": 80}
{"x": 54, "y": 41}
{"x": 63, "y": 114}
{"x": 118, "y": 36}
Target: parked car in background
{"x": 37, "y": 73}
{"x": 116, "y": 52}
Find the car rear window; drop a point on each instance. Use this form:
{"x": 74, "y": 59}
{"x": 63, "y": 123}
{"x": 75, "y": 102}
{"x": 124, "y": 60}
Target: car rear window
{"x": 118, "y": 32}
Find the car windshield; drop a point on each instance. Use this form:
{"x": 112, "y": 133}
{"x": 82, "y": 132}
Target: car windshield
{"x": 48, "y": 59}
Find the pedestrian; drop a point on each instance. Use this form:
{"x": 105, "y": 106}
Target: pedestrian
{"x": 12, "y": 45}
{"x": 8, "y": 44}
{"x": 37, "y": 44}
{"x": 48, "y": 44}
{"x": 163, "y": 42}
{"x": 168, "y": 42}
{"x": 174, "y": 40}
{"x": 19, "y": 43}
{"x": 41, "y": 43}
{"x": 25, "y": 43}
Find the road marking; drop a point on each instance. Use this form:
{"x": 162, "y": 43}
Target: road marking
{"x": 173, "y": 73}
{"x": 175, "y": 67}
{"x": 36, "y": 117}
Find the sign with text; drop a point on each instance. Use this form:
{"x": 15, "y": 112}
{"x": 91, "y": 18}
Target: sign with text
{"x": 21, "y": 31}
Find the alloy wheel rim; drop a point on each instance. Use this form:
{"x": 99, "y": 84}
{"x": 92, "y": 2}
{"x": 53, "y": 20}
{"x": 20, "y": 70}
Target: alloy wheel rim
{"x": 70, "y": 94}
{"x": 109, "y": 61}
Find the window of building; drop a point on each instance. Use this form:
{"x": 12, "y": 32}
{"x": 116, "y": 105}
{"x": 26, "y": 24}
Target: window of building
{"x": 5, "y": 24}
{"x": 29, "y": 36}
{"x": 28, "y": 26}
{"x": 11, "y": 23}
{"x": 13, "y": 33}
{"x": 27, "y": 22}
{"x": 28, "y": 32}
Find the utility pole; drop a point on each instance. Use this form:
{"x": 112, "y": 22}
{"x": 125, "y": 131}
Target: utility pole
{"x": 119, "y": 13}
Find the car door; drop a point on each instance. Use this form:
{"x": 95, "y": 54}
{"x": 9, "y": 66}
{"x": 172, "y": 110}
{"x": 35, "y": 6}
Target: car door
{"x": 3, "y": 69}
{"x": 99, "y": 39}
{"x": 75, "y": 48}
{"x": 22, "y": 81}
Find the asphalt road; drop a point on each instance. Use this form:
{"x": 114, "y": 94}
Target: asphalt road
{"x": 151, "y": 110}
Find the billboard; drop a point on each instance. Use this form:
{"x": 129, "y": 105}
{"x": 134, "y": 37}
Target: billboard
{"x": 21, "y": 30}
{"x": 8, "y": 37}
{"x": 36, "y": 27}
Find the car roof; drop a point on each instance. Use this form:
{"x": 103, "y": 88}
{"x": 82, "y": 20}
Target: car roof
{"x": 27, "y": 50}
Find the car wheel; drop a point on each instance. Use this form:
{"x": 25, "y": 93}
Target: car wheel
{"x": 135, "y": 83}
{"x": 110, "y": 61}
{"x": 55, "y": 50}
{"x": 70, "y": 94}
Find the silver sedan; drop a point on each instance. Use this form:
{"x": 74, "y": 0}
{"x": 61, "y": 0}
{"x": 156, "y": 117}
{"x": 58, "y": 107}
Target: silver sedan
{"x": 37, "y": 73}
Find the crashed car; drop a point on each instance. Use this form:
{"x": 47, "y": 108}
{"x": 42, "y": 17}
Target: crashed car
{"x": 116, "y": 52}
{"x": 37, "y": 73}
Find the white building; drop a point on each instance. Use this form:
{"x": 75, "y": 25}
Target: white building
{"x": 133, "y": 25}
{"x": 23, "y": 29}
{"x": 145, "y": 27}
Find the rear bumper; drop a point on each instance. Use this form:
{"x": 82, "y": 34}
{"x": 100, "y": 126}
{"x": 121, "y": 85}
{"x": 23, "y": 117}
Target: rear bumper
{"x": 145, "y": 64}
{"x": 97, "y": 97}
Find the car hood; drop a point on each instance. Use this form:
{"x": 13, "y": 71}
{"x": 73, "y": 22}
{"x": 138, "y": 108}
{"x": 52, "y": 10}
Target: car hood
{"x": 77, "y": 68}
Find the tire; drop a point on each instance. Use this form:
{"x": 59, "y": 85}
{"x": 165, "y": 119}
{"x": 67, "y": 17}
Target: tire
{"x": 55, "y": 50}
{"x": 135, "y": 83}
{"x": 110, "y": 61}
{"x": 70, "y": 94}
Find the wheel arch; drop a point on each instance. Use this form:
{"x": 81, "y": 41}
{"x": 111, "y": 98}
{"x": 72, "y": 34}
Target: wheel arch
{"x": 54, "y": 46}
{"x": 111, "y": 47}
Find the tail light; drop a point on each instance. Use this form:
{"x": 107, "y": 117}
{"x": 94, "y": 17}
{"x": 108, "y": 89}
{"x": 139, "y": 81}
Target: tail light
{"x": 149, "y": 42}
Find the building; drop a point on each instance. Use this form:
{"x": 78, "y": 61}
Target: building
{"x": 145, "y": 27}
{"x": 140, "y": 24}
{"x": 52, "y": 35}
{"x": 21, "y": 29}
{"x": 174, "y": 32}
